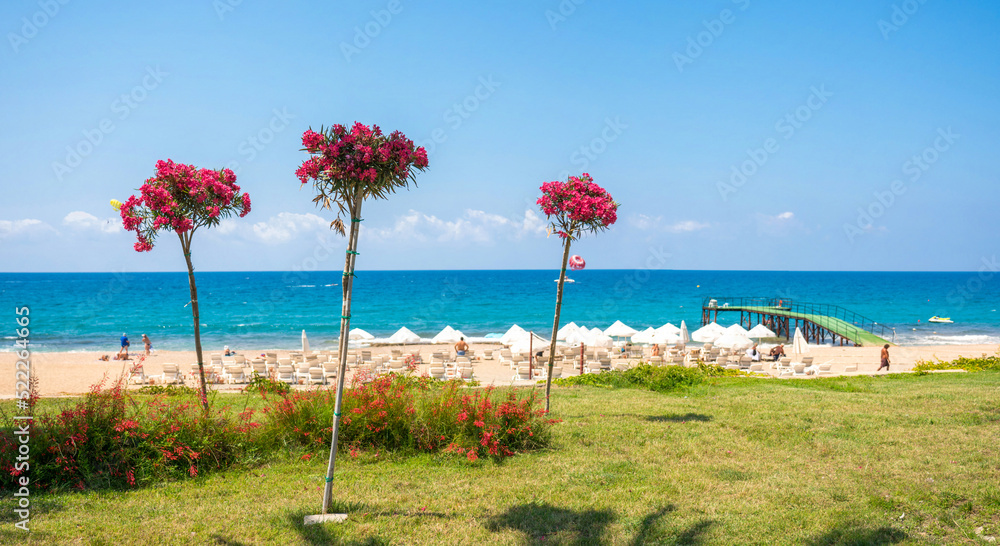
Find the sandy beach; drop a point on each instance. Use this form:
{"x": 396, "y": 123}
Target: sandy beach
{"x": 68, "y": 374}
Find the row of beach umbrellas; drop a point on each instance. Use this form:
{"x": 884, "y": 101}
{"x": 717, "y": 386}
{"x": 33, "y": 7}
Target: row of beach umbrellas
{"x": 732, "y": 337}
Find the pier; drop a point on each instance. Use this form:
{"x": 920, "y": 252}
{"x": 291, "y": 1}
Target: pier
{"x": 819, "y": 322}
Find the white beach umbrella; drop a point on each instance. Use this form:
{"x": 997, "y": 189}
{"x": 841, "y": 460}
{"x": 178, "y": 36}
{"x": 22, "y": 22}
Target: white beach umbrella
{"x": 448, "y": 335}
{"x": 305, "y": 343}
{"x": 529, "y": 342}
{"x": 737, "y": 329}
{"x": 760, "y": 331}
{"x": 619, "y": 329}
{"x": 685, "y": 337}
{"x": 581, "y": 335}
{"x": 357, "y": 334}
{"x": 670, "y": 329}
{"x": 734, "y": 341}
{"x": 404, "y": 335}
{"x": 708, "y": 333}
{"x": 667, "y": 338}
{"x": 645, "y": 336}
{"x": 601, "y": 340}
{"x": 799, "y": 345}
{"x": 567, "y": 330}
{"x": 514, "y": 331}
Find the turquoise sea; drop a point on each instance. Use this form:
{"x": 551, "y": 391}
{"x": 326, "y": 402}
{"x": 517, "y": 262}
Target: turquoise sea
{"x": 269, "y": 310}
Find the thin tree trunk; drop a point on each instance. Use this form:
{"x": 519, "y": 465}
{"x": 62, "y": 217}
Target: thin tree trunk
{"x": 555, "y": 322}
{"x": 345, "y": 325}
{"x": 186, "y": 245}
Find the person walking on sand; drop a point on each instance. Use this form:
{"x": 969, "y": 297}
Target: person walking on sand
{"x": 885, "y": 358}
{"x": 124, "y": 348}
{"x": 148, "y": 344}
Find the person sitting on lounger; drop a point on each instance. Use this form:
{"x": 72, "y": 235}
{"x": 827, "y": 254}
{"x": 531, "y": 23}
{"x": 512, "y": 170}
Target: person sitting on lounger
{"x": 777, "y": 351}
{"x": 753, "y": 353}
{"x": 227, "y": 352}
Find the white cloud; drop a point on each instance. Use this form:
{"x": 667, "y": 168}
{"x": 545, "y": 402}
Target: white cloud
{"x": 84, "y": 221}
{"x": 25, "y": 227}
{"x": 286, "y": 226}
{"x": 779, "y": 224}
{"x": 658, "y": 223}
{"x": 473, "y": 226}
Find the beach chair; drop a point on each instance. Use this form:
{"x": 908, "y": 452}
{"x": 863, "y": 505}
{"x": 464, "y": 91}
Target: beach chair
{"x": 302, "y": 372}
{"x": 756, "y": 367}
{"x": 465, "y": 374}
{"x": 171, "y": 374}
{"x": 783, "y": 363}
{"x": 241, "y": 360}
{"x": 366, "y": 356}
{"x": 396, "y": 365}
{"x": 286, "y": 374}
{"x": 825, "y": 368}
{"x": 745, "y": 362}
{"x": 620, "y": 364}
{"x": 851, "y": 367}
{"x": 436, "y": 372}
{"x": 259, "y": 368}
{"x": 330, "y": 370}
{"x": 316, "y": 376}
{"x": 396, "y": 353}
{"x": 807, "y": 360}
{"x": 234, "y": 374}
{"x": 138, "y": 375}
{"x": 799, "y": 369}
{"x": 523, "y": 373}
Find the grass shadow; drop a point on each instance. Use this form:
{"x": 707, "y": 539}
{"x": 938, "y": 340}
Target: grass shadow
{"x": 693, "y": 534}
{"x": 539, "y": 521}
{"x": 645, "y": 535}
{"x": 850, "y": 534}
{"x": 325, "y": 533}
{"x": 680, "y": 418}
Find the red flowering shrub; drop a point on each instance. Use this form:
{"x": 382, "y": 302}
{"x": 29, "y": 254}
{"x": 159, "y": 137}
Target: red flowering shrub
{"x": 396, "y": 412}
{"x": 110, "y": 439}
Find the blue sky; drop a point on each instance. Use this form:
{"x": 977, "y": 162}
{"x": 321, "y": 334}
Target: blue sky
{"x": 736, "y": 134}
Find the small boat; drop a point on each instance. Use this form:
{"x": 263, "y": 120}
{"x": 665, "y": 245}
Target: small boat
{"x": 944, "y": 320}
{"x": 567, "y": 280}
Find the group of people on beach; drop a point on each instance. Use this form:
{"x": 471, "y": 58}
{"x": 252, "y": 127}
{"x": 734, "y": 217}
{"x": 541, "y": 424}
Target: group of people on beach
{"x": 123, "y": 352}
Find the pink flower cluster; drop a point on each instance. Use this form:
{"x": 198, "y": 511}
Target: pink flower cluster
{"x": 362, "y": 153}
{"x": 577, "y": 204}
{"x": 179, "y": 198}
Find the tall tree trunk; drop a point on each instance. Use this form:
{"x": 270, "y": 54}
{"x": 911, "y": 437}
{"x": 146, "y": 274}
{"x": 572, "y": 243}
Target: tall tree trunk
{"x": 345, "y": 326}
{"x": 186, "y": 245}
{"x": 555, "y": 322}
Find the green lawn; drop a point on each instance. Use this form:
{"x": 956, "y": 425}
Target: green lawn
{"x": 901, "y": 459}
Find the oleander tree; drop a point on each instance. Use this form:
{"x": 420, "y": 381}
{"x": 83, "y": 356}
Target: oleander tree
{"x": 346, "y": 167}
{"x": 182, "y": 198}
{"x": 573, "y": 208}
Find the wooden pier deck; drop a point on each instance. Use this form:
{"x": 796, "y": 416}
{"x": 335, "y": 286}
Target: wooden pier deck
{"x": 819, "y": 322}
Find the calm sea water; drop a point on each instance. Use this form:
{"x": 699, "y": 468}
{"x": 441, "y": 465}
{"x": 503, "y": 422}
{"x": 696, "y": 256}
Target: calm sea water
{"x": 268, "y": 310}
